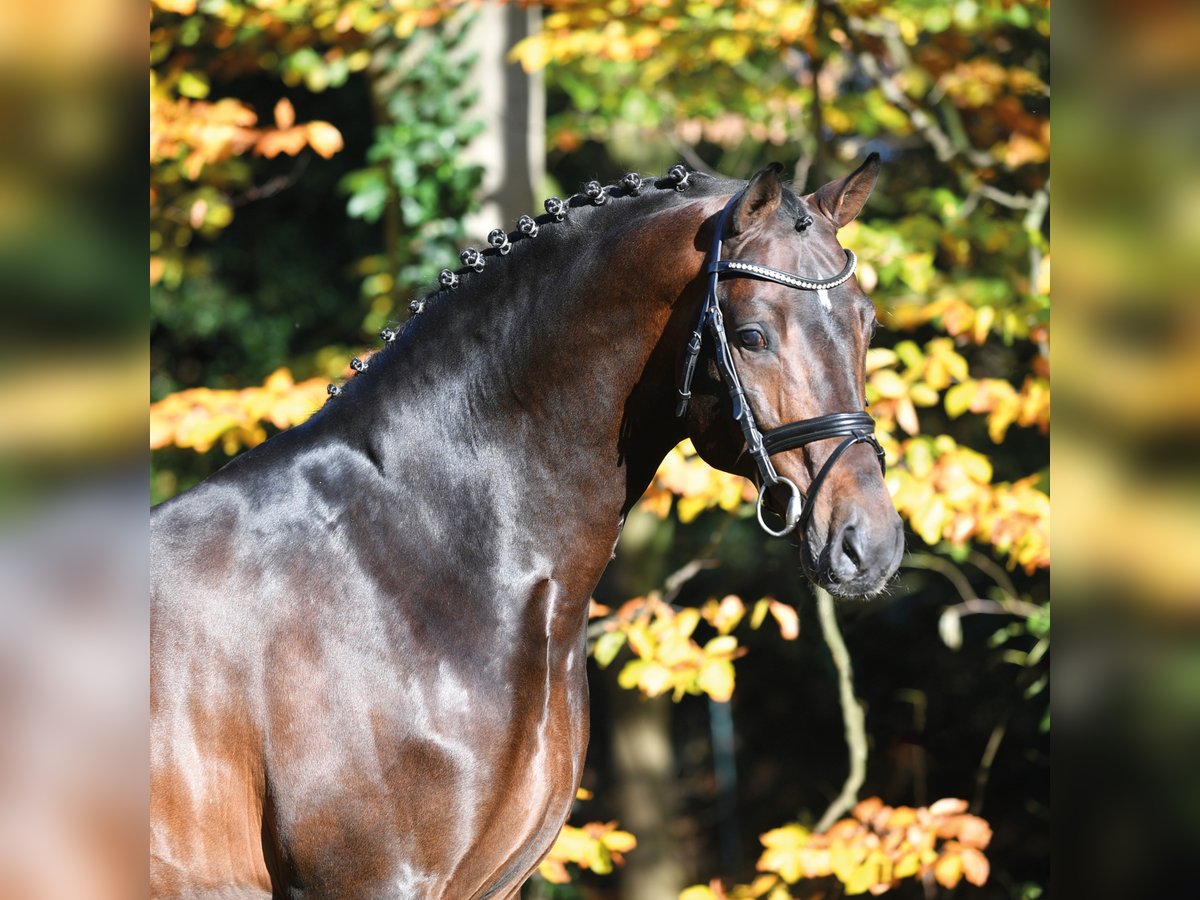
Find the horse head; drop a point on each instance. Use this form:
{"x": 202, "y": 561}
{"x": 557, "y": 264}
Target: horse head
{"x": 788, "y": 328}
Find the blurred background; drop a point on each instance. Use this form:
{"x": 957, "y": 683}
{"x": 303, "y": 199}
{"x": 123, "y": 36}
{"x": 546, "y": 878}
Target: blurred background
{"x": 314, "y": 163}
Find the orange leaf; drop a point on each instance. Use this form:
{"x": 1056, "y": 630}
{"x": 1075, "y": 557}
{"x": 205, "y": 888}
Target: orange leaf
{"x": 975, "y": 866}
{"x": 974, "y": 832}
{"x": 285, "y": 114}
{"x": 271, "y": 144}
{"x": 788, "y": 619}
{"x": 324, "y": 139}
{"x": 554, "y": 871}
{"x": 866, "y": 810}
{"x": 948, "y": 870}
{"x": 948, "y": 806}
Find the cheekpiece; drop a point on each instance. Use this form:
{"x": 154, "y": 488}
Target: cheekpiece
{"x": 472, "y": 259}
{"x": 498, "y": 238}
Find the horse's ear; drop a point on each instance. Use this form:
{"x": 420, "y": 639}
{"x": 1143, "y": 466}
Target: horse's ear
{"x": 844, "y": 199}
{"x": 759, "y": 201}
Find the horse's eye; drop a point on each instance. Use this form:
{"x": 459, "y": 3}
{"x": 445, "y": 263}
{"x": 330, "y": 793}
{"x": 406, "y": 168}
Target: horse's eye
{"x": 752, "y": 338}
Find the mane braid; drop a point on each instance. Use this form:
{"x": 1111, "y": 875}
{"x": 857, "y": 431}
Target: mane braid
{"x": 581, "y": 212}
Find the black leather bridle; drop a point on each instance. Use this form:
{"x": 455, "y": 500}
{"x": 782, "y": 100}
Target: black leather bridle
{"x": 853, "y": 427}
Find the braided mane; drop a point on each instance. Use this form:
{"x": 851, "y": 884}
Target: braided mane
{"x": 576, "y": 217}
{"x": 580, "y": 217}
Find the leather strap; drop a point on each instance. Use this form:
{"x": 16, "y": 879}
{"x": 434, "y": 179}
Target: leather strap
{"x": 855, "y": 427}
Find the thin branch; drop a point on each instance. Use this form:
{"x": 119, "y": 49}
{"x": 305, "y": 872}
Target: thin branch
{"x": 971, "y": 603}
{"x": 676, "y": 580}
{"x": 943, "y": 145}
{"x": 985, "y": 764}
{"x": 273, "y": 186}
{"x": 853, "y": 718}
{"x": 997, "y": 608}
{"x": 1015, "y": 201}
{"x": 949, "y": 570}
{"x": 991, "y": 567}
{"x": 689, "y": 154}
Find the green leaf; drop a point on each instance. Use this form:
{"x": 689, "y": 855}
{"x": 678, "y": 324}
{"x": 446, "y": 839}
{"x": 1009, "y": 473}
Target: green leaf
{"x": 194, "y": 85}
{"x": 910, "y": 354}
{"x": 607, "y": 647}
{"x": 959, "y": 397}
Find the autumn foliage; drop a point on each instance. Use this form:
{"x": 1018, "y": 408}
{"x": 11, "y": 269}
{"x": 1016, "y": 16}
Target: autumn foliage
{"x": 869, "y": 853}
{"x": 954, "y": 251}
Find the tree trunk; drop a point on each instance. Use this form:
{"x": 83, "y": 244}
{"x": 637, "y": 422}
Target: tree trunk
{"x": 512, "y": 107}
{"x": 644, "y": 766}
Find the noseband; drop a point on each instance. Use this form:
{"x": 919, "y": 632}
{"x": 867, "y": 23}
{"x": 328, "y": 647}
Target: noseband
{"x": 853, "y": 427}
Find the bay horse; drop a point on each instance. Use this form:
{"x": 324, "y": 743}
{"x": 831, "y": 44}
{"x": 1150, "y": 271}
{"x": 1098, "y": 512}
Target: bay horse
{"x": 368, "y": 650}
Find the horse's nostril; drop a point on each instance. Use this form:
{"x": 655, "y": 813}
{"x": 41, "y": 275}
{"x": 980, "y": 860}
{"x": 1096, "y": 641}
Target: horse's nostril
{"x": 850, "y": 548}
{"x": 846, "y": 555}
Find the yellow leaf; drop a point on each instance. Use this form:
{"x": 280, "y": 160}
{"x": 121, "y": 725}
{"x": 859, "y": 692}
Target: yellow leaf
{"x": 723, "y": 645}
{"x": 923, "y": 395}
{"x": 655, "y": 678}
{"x": 880, "y": 358}
{"x": 888, "y": 385}
{"x": 783, "y": 852}
{"x": 631, "y": 674}
{"x": 697, "y": 892}
{"x": 906, "y": 416}
{"x": 983, "y": 323}
{"x": 554, "y": 871}
{"x": 960, "y": 397}
{"x": 598, "y": 859}
{"x": 619, "y": 841}
{"x": 640, "y": 640}
{"x": 908, "y": 865}
{"x": 861, "y": 880}
{"x": 760, "y": 612}
{"x": 716, "y": 679}
{"x": 686, "y": 622}
{"x": 727, "y": 614}
{"x": 929, "y": 521}
{"x": 183, "y": 7}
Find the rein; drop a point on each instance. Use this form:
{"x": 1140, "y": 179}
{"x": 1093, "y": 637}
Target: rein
{"x": 853, "y": 427}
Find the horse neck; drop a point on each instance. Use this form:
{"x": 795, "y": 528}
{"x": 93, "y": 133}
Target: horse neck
{"x": 545, "y": 383}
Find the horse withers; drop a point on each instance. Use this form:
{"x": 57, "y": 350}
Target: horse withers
{"x": 368, "y": 638}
